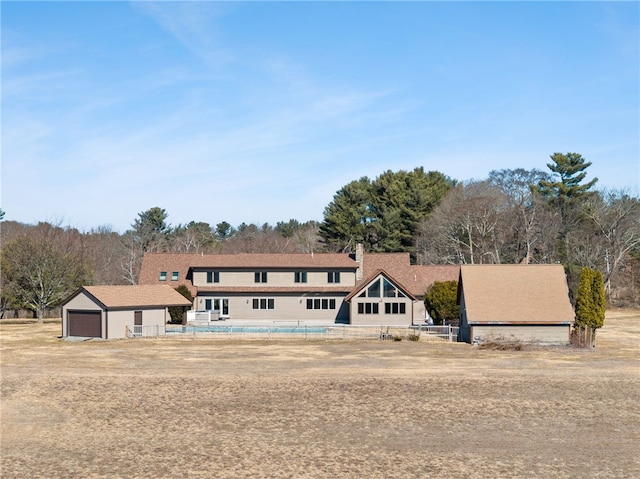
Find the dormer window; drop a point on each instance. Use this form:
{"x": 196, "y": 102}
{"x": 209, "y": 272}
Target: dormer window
{"x": 174, "y": 276}
{"x": 213, "y": 276}
{"x": 163, "y": 275}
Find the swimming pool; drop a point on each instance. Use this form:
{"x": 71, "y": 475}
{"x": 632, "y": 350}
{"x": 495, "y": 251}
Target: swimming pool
{"x": 249, "y": 329}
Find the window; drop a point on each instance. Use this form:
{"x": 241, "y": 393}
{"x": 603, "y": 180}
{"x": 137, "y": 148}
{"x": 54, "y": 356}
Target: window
{"x": 174, "y": 276}
{"x": 333, "y": 276}
{"x": 163, "y": 275}
{"x": 300, "y": 276}
{"x": 207, "y": 304}
{"x": 395, "y": 308}
{"x": 264, "y": 303}
{"x": 368, "y": 308}
{"x": 213, "y": 276}
{"x": 389, "y": 289}
{"x": 324, "y": 303}
{"x": 260, "y": 277}
{"x": 374, "y": 290}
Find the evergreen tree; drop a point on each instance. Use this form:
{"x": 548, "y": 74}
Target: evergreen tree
{"x": 176, "y": 312}
{"x": 566, "y": 194}
{"x": 384, "y": 214}
{"x": 590, "y": 302}
{"x": 584, "y": 301}
{"x": 571, "y": 169}
{"x": 348, "y": 218}
{"x": 151, "y": 229}
{"x": 441, "y": 302}
{"x": 400, "y": 200}
{"x": 599, "y": 299}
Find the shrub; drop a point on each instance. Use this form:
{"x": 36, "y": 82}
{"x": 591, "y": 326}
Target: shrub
{"x": 441, "y": 302}
{"x": 501, "y": 343}
{"x": 591, "y": 302}
{"x": 176, "y": 312}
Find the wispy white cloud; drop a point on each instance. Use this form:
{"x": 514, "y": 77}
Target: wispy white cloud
{"x": 214, "y": 125}
{"x": 194, "y": 25}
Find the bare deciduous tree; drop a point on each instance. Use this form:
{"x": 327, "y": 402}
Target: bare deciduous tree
{"x": 42, "y": 268}
{"x": 464, "y": 227}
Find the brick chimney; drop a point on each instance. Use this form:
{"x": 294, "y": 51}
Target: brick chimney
{"x": 359, "y": 260}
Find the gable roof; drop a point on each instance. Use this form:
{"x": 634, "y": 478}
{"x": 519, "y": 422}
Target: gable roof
{"x": 281, "y": 260}
{"x": 183, "y": 263}
{"x": 415, "y": 279}
{"x": 367, "y": 281}
{"x": 135, "y": 296}
{"x": 515, "y": 294}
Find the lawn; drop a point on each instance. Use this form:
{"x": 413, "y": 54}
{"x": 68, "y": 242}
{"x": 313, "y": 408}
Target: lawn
{"x": 169, "y": 408}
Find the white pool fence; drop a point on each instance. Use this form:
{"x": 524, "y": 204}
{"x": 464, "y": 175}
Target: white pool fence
{"x": 297, "y": 331}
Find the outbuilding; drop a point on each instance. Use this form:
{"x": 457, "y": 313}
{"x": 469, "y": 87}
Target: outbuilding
{"x": 525, "y": 302}
{"x": 111, "y": 312}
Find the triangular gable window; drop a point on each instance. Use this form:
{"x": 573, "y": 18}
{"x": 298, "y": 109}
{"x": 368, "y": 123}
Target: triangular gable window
{"x": 390, "y": 290}
{"x": 384, "y": 286}
{"x": 373, "y": 291}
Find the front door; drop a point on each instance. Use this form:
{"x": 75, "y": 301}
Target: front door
{"x": 221, "y": 306}
{"x": 137, "y": 323}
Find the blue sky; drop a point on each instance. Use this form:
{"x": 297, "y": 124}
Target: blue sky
{"x": 260, "y": 112}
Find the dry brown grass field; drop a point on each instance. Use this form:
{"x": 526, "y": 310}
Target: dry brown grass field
{"x": 198, "y": 408}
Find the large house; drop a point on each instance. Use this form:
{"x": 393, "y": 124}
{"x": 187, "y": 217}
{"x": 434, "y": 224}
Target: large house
{"x": 361, "y": 288}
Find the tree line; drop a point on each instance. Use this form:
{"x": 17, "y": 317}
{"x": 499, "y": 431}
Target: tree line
{"x": 513, "y": 216}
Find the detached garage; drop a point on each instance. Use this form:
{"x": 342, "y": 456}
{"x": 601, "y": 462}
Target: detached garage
{"x": 526, "y": 302}
{"x": 110, "y": 312}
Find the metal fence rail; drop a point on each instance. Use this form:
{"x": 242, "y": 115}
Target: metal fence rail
{"x": 298, "y": 332}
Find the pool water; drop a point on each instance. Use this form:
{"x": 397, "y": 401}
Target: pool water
{"x": 250, "y": 329}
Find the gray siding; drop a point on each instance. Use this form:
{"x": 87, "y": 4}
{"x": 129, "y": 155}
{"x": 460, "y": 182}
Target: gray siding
{"x": 276, "y": 278}
{"x": 119, "y": 320}
{"x": 287, "y": 307}
{"x": 381, "y": 318}
{"x": 552, "y": 334}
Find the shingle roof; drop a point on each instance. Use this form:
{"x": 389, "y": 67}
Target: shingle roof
{"x": 365, "y": 283}
{"x": 259, "y": 260}
{"x": 416, "y": 279}
{"x": 515, "y": 294}
{"x": 137, "y": 296}
{"x": 154, "y": 263}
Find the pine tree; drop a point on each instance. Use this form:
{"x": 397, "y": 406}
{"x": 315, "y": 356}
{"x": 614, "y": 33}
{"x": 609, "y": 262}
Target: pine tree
{"x": 567, "y": 196}
{"x": 571, "y": 168}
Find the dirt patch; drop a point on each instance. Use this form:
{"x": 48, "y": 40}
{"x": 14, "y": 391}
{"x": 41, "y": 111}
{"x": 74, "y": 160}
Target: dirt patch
{"x": 312, "y": 409}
